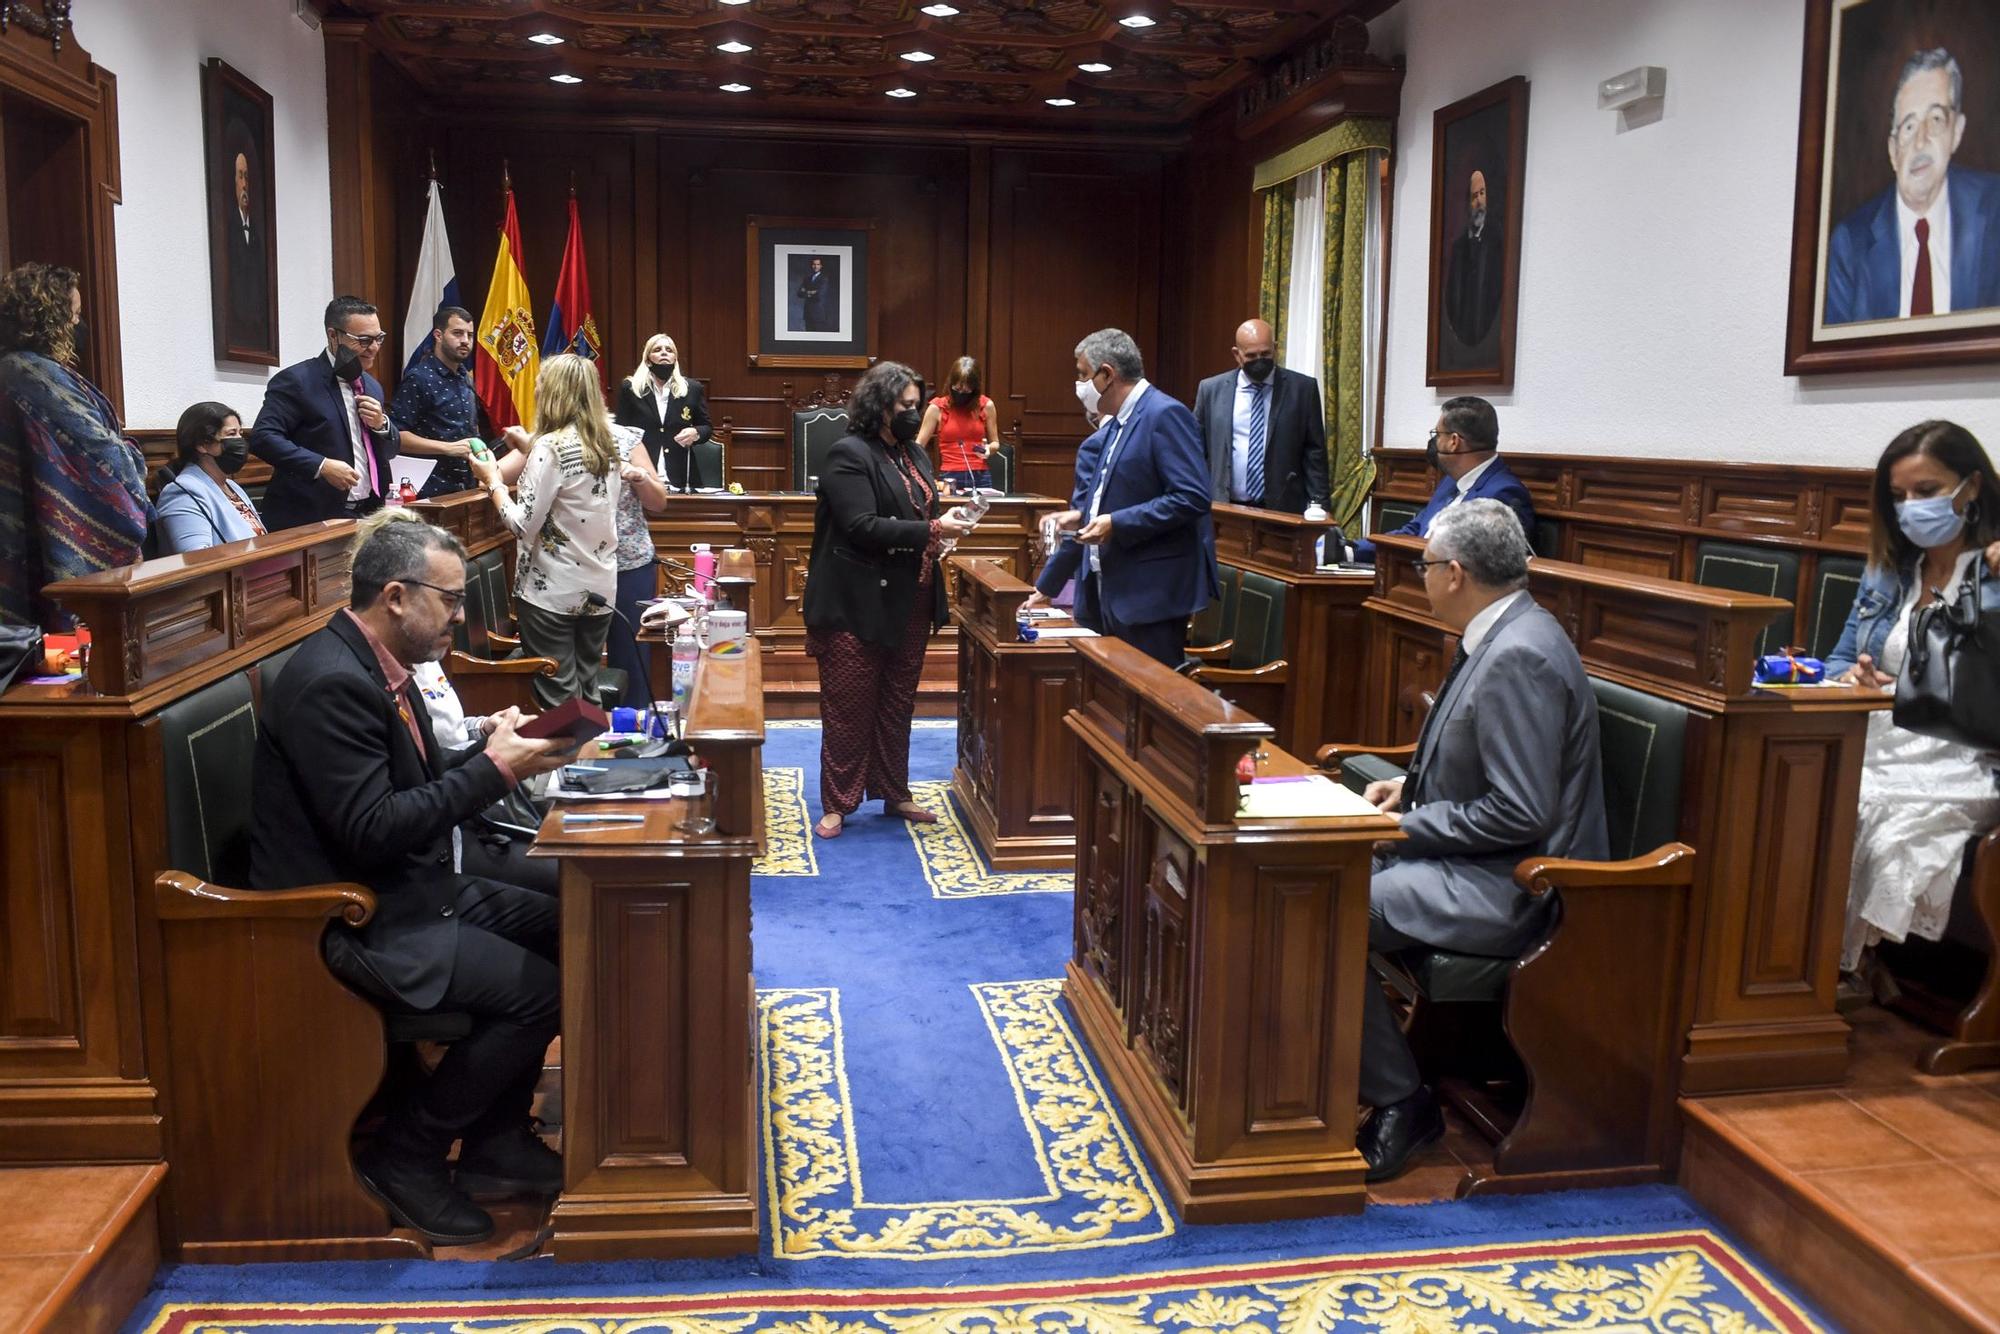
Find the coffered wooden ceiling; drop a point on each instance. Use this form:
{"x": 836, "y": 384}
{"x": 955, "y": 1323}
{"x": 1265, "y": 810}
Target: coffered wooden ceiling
{"x": 993, "y": 62}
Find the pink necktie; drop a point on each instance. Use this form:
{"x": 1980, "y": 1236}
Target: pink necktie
{"x": 367, "y": 445}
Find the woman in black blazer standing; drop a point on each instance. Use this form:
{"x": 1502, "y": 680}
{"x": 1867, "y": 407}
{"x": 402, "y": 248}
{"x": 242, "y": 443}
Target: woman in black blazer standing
{"x": 874, "y": 593}
{"x": 673, "y": 412}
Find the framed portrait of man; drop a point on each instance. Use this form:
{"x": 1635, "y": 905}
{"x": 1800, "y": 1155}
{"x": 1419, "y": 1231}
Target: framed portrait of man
{"x": 1478, "y": 149}
{"x": 1896, "y": 213}
{"x": 810, "y": 305}
{"x": 242, "y": 213}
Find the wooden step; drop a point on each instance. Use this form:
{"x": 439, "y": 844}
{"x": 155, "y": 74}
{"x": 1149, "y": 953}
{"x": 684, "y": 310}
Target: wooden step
{"x": 78, "y": 1245}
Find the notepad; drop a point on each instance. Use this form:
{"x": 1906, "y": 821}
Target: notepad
{"x": 1301, "y": 796}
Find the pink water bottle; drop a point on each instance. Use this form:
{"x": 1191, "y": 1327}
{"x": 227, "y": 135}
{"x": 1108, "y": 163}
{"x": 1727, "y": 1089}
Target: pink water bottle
{"x": 704, "y": 570}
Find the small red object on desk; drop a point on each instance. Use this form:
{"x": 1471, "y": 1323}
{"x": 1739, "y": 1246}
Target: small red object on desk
{"x": 574, "y": 719}
{"x": 1246, "y": 769}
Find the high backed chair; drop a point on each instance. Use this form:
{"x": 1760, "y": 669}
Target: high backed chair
{"x": 814, "y": 431}
{"x": 1836, "y": 581}
{"x": 1249, "y": 668}
{"x": 1547, "y": 538}
{"x": 1568, "y": 1055}
{"x": 710, "y": 460}
{"x": 1210, "y": 627}
{"x": 1746, "y": 569}
{"x": 1393, "y": 514}
{"x": 486, "y": 667}
{"x": 1000, "y": 465}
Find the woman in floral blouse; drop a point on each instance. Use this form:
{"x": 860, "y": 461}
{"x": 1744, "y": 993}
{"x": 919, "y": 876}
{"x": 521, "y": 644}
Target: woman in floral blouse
{"x": 567, "y": 524}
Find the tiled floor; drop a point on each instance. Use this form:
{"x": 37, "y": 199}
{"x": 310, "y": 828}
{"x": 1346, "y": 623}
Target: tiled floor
{"x": 1908, "y": 1163}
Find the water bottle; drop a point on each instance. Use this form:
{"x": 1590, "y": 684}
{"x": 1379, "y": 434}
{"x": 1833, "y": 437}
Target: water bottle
{"x": 704, "y": 570}
{"x": 1315, "y": 513}
{"x": 686, "y": 652}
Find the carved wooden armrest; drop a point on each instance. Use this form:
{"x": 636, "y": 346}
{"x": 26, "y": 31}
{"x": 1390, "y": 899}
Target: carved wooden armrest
{"x": 1668, "y": 864}
{"x": 512, "y": 643}
{"x": 181, "y": 896}
{"x": 1211, "y": 652}
{"x": 1271, "y": 673}
{"x": 457, "y": 663}
{"x": 1333, "y": 753}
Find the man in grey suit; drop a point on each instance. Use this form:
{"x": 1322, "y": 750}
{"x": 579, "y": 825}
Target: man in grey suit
{"x": 1506, "y": 767}
{"x": 1265, "y": 432}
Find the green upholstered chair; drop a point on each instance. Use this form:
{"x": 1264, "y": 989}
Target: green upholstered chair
{"x": 1592, "y": 1018}
{"x": 1835, "y": 582}
{"x": 1248, "y": 668}
{"x": 206, "y": 741}
{"x": 710, "y": 461}
{"x": 814, "y": 431}
{"x": 1393, "y": 514}
{"x": 1547, "y": 538}
{"x": 1000, "y": 466}
{"x": 1772, "y": 571}
{"x": 1210, "y": 626}
{"x": 486, "y": 667}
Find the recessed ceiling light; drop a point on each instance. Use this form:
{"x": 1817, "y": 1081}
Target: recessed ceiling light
{"x": 918, "y": 57}
{"x": 1095, "y": 67}
{"x": 1060, "y": 101}
{"x": 940, "y": 11}
{"x": 564, "y": 78}
{"x": 1137, "y": 21}
{"x": 735, "y": 2}
{"x": 735, "y": 87}
{"x": 546, "y": 39}
{"x": 902, "y": 92}
{"x": 733, "y": 48}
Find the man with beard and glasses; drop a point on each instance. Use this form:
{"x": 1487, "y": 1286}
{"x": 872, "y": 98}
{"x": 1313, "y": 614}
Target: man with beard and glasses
{"x": 323, "y": 429}
{"x": 1266, "y": 432}
{"x": 1464, "y": 446}
{"x": 352, "y": 786}
{"x": 1930, "y": 243}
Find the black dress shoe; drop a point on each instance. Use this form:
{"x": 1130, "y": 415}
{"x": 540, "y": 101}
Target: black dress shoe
{"x": 1397, "y": 1131}
{"x": 419, "y": 1194}
{"x": 513, "y": 1162}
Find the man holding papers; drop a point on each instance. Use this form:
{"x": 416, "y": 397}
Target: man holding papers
{"x": 1506, "y": 767}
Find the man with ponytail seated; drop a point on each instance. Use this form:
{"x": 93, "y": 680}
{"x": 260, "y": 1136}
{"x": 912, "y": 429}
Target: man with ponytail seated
{"x": 201, "y": 505}
{"x": 352, "y": 786}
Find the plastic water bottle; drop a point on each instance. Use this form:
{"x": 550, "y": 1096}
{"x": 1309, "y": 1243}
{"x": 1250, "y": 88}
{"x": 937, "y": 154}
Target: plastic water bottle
{"x": 1316, "y": 513}
{"x": 686, "y": 652}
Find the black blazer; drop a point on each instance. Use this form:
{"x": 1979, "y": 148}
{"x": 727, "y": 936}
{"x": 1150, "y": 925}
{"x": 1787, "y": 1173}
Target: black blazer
{"x": 868, "y": 545}
{"x": 302, "y": 423}
{"x": 343, "y": 793}
{"x": 1294, "y": 439}
{"x": 641, "y": 412}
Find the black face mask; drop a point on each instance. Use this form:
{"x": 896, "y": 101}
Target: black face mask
{"x": 235, "y": 453}
{"x": 1431, "y": 453}
{"x": 79, "y": 337}
{"x": 904, "y": 425}
{"x": 1259, "y": 368}
{"x": 962, "y": 397}
{"x": 660, "y": 370}
{"x": 346, "y": 365}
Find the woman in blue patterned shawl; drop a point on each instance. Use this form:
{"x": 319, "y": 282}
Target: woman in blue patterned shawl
{"x": 72, "y": 488}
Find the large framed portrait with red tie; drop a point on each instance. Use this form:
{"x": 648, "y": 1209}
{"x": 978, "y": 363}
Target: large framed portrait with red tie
{"x": 242, "y": 216}
{"x": 1479, "y": 149}
{"x": 1896, "y": 206}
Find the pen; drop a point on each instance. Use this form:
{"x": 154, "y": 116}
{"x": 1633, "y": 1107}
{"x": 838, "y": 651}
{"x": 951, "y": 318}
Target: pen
{"x": 569, "y": 819}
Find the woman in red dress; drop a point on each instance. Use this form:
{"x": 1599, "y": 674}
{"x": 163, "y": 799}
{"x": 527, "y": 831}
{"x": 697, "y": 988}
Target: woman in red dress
{"x": 965, "y": 426}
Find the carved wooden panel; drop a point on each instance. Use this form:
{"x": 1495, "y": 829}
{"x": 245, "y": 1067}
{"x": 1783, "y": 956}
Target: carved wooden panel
{"x": 1100, "y": 886}
{"x": 1052, "y": 774}
{"x": 1160, "y": 1019}
{"x": 1291, "y": 999}
{"x": 1416, "y": 667}
{"x": 1630, "y": 494}
{"x": 270, "y": 595}
{"x": 39, "y": 1003}
{"x": 1793, "y": 792}
{"x": 1765, "y": 507}
{"x": 1632, "y": 551}
{"x": 1845, "y": 513}
{"x": 647, "y": 946}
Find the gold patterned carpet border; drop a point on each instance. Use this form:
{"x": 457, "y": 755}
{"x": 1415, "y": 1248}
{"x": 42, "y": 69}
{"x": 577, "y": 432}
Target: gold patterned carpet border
{"x": 788, "y": 842}
{"x": 952, "y": 865}
{"x": 1686, "y": 1282}
{"x": 1099, "y": 1191}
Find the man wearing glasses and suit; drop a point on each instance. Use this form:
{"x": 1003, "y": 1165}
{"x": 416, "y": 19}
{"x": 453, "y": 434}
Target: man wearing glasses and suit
{"x": 323, "y": 429}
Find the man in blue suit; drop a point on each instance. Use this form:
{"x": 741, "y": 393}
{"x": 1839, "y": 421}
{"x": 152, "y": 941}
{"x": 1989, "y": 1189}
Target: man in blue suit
{"x": 1930, "y": 243}
{"x": 322, "y": 428}
{"x": 1142, "y": 549}
{"x": 1465, "y": 447}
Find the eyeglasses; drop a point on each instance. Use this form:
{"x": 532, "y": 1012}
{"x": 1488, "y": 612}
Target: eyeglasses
{"x": 363, "y": 340}
{"x": 1424, "y": 565}
{"x": 454, "y": 598}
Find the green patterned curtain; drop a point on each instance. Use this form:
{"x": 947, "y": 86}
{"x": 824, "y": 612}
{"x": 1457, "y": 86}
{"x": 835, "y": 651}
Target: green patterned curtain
{"x": 1275, "y": 291}
{"x": 1350, "y": 473}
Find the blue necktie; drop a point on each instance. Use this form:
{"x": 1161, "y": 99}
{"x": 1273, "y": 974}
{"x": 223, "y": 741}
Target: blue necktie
{"x": 1254, "y": 470}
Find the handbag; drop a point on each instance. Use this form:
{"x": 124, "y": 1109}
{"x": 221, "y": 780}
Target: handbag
{"x": 20, "y": 652}
{"x": 1950, "y": 684}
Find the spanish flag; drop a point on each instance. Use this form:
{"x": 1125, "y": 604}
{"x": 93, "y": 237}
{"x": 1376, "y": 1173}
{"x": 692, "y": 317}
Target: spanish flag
{"x": 506, "y": 358}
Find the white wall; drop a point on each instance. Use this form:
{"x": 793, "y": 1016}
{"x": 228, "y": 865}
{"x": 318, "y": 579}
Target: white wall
{"x": 156, "y": 48}
{"x": 1655, "y": 263}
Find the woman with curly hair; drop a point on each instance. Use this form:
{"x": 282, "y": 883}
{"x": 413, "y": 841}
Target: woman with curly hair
{"x": 72, "y": 487}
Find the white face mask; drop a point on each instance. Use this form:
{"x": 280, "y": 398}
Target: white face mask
{"x": 1086, "y": 394}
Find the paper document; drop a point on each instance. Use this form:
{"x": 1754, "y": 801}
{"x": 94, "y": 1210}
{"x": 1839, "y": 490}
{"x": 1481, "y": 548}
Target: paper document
{"x": 1299, "y": 797}
{"x": 1065, "y": 632}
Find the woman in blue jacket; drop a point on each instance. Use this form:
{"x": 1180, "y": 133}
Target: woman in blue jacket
{"x": 1936, "y": 510}
{"x": 202, "y": 506}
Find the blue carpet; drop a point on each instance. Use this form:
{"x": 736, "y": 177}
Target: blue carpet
{"x": 934, "y": 1124}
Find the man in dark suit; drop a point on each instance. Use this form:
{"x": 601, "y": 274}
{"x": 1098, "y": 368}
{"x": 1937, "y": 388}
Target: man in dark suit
{"x": 351, "y": 786}
{"x": 1506, "y": 767}
{"x": 1266, "y": 433}
{"x": 1141, "y": 545}
{"x": 816, "y": 298}
{"x": 249, "y": 304}
{"x": 1930, "y": 243}
{"x": 1464, "y": 445}
{"x": 322, "y": 428}
{"x": 1475, "y": 272}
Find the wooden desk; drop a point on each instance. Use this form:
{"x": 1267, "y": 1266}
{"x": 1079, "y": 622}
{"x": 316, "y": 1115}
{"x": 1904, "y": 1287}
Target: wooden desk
{"x": 1016, "y": 770}
{"x": 1218, "y": 963}
{"x": 1326, "y": 633}
{"x": 1770, "y": 790}
{"x": 659, "y": 1149}
{"x": 777, "y": 528}
{"x": 468, "y": 516}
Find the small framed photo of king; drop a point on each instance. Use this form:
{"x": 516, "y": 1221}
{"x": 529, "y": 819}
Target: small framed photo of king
{"x": 809, "y": 300}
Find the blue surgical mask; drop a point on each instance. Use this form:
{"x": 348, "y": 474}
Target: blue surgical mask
{"x": 1932, "y": 522}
